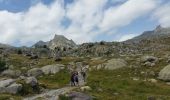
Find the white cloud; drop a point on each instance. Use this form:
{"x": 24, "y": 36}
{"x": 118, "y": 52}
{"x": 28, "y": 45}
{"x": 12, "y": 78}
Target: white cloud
{"x": 126, "y": 37}
{"x": 123, "y": 15}
{"x": 88, "y": 18}
{"x": 39, "y": 22}
{"x": 162, "y": 14}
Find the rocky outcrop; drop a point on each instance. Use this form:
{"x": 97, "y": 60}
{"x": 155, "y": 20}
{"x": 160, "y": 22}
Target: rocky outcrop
{"x": 115, "y": 64}
{"x": 52, "y": 94}
{"x": 149, "y": 60}
{"x": 52, "y": 69}
{"x": 61, "y": 42}
{"x": 9, "y": 86}
{"x": 13, "y": 88}
{"x": 111, "y": 64}
{"x": 11, "y": 73}
{"x": 6, "y": 82}
{"x": 35, "y": 72}
{"x": 164, "y": 74}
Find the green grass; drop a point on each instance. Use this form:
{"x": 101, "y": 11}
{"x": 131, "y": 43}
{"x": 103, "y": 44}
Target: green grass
{"x": 106, "y": 83}
{"x": 57, "y": 80}
{"x": 8, "y": 96}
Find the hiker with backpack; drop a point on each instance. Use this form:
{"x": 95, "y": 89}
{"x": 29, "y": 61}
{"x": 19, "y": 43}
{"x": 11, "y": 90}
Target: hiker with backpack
{"x": 74, "y": 79}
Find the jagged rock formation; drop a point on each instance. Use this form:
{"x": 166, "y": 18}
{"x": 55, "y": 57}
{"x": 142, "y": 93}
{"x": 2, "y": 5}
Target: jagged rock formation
{"x": 9, "y": 86}
{"x": 61, "y": 42}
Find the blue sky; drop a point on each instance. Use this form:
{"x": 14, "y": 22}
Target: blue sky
{"x": 24, "y": 22}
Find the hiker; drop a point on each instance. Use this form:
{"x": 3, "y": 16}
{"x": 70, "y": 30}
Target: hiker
{"x": 72, "y": 79}
{"x": 76, "y": 79}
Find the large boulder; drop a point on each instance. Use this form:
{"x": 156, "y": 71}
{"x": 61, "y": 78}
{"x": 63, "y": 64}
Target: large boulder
{"x": 9, "y": 86}
{"x": 115, "y": 64}
{"x": 149, "y": 60}
{"x": 164, "y": 74}
{"x": 11, "y": 73}
{"x": 35, "y": 72}
{"x": 7, "y": 82}
{"x": 14, "y": 88}
{"x": 52, "y": 69}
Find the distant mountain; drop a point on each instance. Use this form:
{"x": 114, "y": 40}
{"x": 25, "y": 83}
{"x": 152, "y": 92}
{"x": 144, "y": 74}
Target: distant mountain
{"x": 157, "y": 33}
{"x": 59, "y": 41}
{"x": 5, "y": 46}
{"x": 40, "y": 44}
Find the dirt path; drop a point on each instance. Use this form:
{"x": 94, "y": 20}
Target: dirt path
{"x": 51, "y": 95}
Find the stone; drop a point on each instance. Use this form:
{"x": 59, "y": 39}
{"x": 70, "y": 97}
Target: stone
{"x": 149, "y": 59}
{"x": 164, "y": 74}
{"x": 135, "y": 79}
{"x": 167, "y": 83}
{"x": 115, "y": 64}
{"x": 152, "y": 73}
{"x": 22, "y": 77}
{"x": 52, "y": 69}
{"x": 11, "y": 73}
{"x": 35, "y": 72}
{"x": 116, "y": 94}
{"x": 152, "y": 80}
{"x": 7, "y": 82}
{"x": 14, "y": 88}
{"x": 9, "y": 86}
{"x": 85, "y": 88}
{"x": 142, "y": 72}
{"x": 24, "y": 68}
{"x": 150, "y": 64}
{"x": 31, "y": 80}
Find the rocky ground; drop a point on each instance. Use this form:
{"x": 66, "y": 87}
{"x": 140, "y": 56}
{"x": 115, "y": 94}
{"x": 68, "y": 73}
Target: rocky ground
{"x": 139, "y": 77}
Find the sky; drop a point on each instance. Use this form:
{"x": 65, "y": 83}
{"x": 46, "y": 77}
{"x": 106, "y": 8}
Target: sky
{"x": 24, "y": 22}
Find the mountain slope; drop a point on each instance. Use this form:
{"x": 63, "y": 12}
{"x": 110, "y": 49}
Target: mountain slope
{"x": 159, "y": 32}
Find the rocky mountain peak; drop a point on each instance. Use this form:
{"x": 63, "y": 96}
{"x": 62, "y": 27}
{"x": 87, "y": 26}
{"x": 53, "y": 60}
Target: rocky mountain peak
{"x": 61, "y": 41}
{"x": 158, "y": 28}
{"x": 162, "y": 30}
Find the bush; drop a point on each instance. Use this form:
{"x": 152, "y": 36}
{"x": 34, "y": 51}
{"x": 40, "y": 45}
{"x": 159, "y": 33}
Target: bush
{"x": 2, "y": 65}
